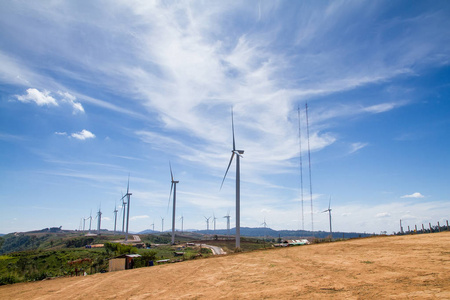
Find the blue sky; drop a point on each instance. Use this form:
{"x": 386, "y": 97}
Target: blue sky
{"x": 93, "y": 91}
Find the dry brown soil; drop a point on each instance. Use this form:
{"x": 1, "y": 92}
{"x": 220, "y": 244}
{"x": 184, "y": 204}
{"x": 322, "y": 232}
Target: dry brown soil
{"x": 394, "y": 267}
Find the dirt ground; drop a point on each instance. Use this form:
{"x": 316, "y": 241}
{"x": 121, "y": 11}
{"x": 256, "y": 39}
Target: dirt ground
{"x": 395, "y": 267}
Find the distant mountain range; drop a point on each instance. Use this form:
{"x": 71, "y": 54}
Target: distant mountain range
{"x": 261, "y": 232}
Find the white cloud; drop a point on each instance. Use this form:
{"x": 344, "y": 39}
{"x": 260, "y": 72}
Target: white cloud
{"x": 382, "y": 215}
{"x": 83, "y": 135}
{"x": 40, "y": 98}
{"x": 69, "y": 98}
{"x": 413, "y": 195}
{"x": 60, "y": 133}
{"x": 139, "y": 217}
{"x": 379, "y": 108}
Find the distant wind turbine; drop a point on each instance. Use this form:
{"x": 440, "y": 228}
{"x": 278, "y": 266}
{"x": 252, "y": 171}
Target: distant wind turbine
{"x": 329, "y": 214}
{"x": 182, "y": 220}
{"x": 207, "y": 223}
{"x": 162, "y": 224}
{"x": 90, "y": 221}
{"x": 238, "y": 154}
{"x": 127, "y": 195}
{"x": 124, "y": 209}
{"x": 174, "y": 187}
{"x": 115, "y": 218}
{"x": 214, "y": 220}
{"x": 265, "y": 228}
{"x": 228, "y": 222}
{"x": 99, "y": 220}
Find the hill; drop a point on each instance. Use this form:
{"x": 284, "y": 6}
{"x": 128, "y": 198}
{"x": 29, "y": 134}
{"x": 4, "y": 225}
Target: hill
{"x": 409, "y": 266}
{"x": 268, "y": 232}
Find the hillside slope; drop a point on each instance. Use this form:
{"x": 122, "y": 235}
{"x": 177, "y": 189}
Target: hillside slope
{"x": 414, "y": 266}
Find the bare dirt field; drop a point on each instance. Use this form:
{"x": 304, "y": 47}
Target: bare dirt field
{"x": 394, "y": 267}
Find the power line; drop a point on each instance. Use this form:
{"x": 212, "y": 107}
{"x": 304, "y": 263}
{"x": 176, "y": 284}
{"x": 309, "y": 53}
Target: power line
{"x": 309, "y": 158}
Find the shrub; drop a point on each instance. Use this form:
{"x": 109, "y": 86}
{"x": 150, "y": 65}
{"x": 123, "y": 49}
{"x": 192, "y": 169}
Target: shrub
{"x": 8, "y": 279}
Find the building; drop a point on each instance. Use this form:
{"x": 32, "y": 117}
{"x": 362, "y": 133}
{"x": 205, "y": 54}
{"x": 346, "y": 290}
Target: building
{"x": 122, "y": 262}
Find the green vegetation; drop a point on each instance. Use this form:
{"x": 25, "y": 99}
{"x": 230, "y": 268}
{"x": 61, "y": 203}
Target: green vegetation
{"x": 42, "y": 254}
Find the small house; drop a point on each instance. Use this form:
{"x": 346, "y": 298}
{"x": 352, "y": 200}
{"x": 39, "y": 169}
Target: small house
{"x": 122, "y": 262}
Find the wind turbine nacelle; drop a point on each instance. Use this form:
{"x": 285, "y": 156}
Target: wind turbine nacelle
{"x": 239, "y": 151}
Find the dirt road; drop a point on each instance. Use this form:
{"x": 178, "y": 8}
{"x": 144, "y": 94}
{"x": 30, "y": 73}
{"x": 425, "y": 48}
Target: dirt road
{"x": 396, "y": 267}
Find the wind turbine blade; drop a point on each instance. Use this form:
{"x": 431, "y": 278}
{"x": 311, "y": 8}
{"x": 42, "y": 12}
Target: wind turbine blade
{"x": 170, "y": 195}
{"x": 232, "y": 127}
{"x": 171, "y": 174}
{"x": 329, "y": 203}
{"x": 128, "y": 185}
{"x": 229, "y": 164}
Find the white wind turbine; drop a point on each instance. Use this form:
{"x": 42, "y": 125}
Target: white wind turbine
{"x": 162, "y": 224}
{"x": 174, "y": 187}
{"x": 90, "y": 221}
{"x": 127, "y": 195}
{"x": 228, "y": 222}
{"x": 329, "y": 214}
{"x": 238, "y": 154}
{"x": 207, "y": 223}
{"x": 99, "y": 221}
{"x": 124, "y": 209}
{"x": 214, "y": 220}
{"x": 115, "y": 218}
{"x": 182, "y": 221}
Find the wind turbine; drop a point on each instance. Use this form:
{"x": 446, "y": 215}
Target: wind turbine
{"x": 329, "y": 214}
{"x": 238, "y": 154}
{"x": 127, "y": 195}
{"x": 90, "y": 221}
{"x": 265, "y": 229}
{"x": 182, "y": 220}
{"x": 153, "y": 225}
{"x": 214, "y": 220}
{"x": 99, "y": 221}
{"x": 174, "y": 187}
{"x": 115, "y": 218}
{"x": 124, "y": 207}
{"x": 162, "y": 224}
{"x": 207, "y": 223}
{"x": 228, "y": 222}
{"x": 84, "y": 222}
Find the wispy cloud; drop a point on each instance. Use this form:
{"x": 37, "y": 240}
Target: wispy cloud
{"x": 139, "y": 217}
{"x": 413, "y": 195}
{"x": 357, "y": 146}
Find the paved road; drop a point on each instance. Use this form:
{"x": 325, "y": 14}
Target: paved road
{"x": 215, "y": 250}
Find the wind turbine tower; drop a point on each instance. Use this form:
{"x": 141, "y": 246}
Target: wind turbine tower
{"x": 90, "y": 221}
{"x": 238, "y": 154}
{"x": 207, "y": 224}
{"x": 329, "y": 214}
{"x": 128, "y": 194}
{"x": 162, "y": 224}
{"x": 99, "y": 221}
{"x": 265, "y": 228}
{"x": 214, "y": 220}
{"x": 182, "y": 220}
{"x": 115, "y": 218}
{"x": 228, "y": 222}
{"x": 124, "y": 208}
{"x": 174, "y": 187}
